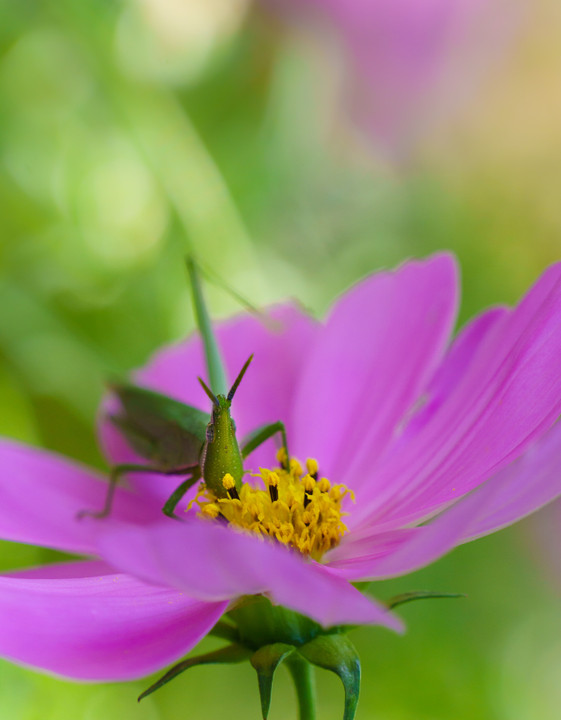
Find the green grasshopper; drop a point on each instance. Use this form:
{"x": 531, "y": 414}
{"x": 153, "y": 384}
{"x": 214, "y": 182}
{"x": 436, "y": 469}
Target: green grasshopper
{"x": 178, "y": 439}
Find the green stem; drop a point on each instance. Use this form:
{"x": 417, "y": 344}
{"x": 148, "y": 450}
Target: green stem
{"x": 215, "y": 368}
{"x": 303, "y": 677}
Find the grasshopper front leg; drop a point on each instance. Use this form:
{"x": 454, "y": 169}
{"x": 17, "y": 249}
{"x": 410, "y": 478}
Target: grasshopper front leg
{"x": 263, "y": 433}
{"x": 114, "y": 477}
{"x": 178, "y": 493}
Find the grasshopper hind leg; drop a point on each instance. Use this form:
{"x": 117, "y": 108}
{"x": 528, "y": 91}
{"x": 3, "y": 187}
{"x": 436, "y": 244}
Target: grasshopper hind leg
{"x": 120, "y": 470}
{"x": 114, "y": 476}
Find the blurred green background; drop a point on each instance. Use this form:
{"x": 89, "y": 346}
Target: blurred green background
{"x": 132, "y": 131}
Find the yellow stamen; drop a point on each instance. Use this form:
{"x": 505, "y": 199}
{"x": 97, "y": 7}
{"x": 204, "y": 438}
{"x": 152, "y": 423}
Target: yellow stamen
{"x": 335, "y": 493}
{"x": 312, "y": 467}
{"x": 309, "y": 483}
{"x": 324, "y": 485}
{"x": 272, "y": 479}
{"x": 295, "y": 467}
{"x": 228, "y": 482}
{"x": 282, "y": 457}
{"x": 294, "y": 508}
{"x": 210, "y": 510}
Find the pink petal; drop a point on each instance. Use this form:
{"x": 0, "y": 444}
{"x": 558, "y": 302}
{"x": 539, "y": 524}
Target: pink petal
{"x": 214, "y": 563}
{"x": 414, "y": 549}
{"x": 41, "y": 494}
{"x": 522, "y": 487}
{"x": 64, "y": 570}
{"x": 447, "y": 376}
{"x": 516, "y": 491}
{"x": 368, "y": 545}
{"x": 508, "y": 396}
{"x": 382, "y": 343}
{"x": 263, "y": 397}
{"x": 456, "y": 363}
{"x": 108, "y": 627}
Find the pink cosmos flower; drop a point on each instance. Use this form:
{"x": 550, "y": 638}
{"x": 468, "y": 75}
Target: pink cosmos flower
{"x": 441, "y": 441}
{"x": 408, "y": 64}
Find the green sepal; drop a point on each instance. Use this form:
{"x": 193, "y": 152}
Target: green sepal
{"x": 265, "y": 661}
{"x": 226, "y": 631}
{"x": 420, "y": 595}
{"x": 261, "y": 623}
{"x": 166, "y": 432}
{"x": 337, "y": 653}
{"x": 227, "y": 655}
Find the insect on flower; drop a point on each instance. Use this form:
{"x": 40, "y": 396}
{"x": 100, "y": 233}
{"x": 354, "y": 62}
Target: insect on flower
{"x": 178, "y": 439}
{"x": 458, "y": 438}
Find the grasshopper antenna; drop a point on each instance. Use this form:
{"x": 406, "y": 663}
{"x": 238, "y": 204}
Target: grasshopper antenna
{"x": 238, "y": 380}
{"x": 212, "y": 397}
{"x": 219, "y": 282}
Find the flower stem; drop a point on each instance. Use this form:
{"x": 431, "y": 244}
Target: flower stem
{"x": 303, "y": 676}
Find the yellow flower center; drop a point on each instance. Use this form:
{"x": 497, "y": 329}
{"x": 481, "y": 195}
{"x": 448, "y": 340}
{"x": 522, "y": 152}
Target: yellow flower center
{"x": 294, "y": 507}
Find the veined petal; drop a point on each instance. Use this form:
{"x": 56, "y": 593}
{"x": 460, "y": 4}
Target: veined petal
{"x": 453, "y": 367}
{"x": 264, "y": 396}
{"x": 517, "y": 490}
{"x": 382, "y": 342}
{"x": 368, "y": 543}
{"x": 41, "y": 494}
{"x": 412, "y": 549}
{"x": 214, "y": 563}
{"x": 508, "y": 396}
{"x": 104, "y": 627}
{"x": 522, "y": 487}
{"x": 448, "y": 375}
